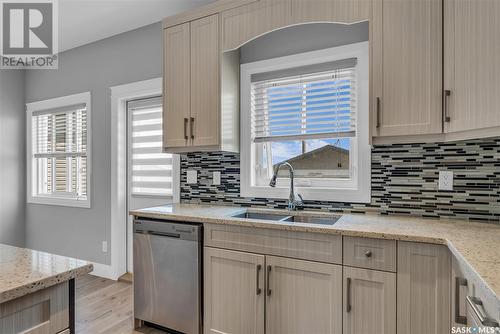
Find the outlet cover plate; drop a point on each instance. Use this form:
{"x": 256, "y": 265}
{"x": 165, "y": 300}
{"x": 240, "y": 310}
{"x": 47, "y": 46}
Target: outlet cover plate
{"x": 216, "y": 178}
{"x": 192, "y": 176}
{"x": 445, "y": 180}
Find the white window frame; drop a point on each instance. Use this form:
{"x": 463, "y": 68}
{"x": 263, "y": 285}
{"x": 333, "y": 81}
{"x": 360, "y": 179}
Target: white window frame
{"x": 31, "y": 172}
{"x": 119, "y": 95}
{"x": 359, "y": 189}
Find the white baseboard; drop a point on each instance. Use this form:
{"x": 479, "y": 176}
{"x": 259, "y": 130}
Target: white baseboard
{"x": 105, "y": 271}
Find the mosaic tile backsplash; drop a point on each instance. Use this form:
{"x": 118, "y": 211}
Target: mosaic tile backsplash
{"x": 404, "y": 181}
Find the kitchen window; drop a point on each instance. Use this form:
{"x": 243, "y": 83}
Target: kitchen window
{"x": 310, "y": 110}
{"x": 59, "y": 151}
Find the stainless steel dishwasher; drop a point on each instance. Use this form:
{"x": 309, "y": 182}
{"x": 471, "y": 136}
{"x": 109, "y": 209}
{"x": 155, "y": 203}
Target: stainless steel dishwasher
{"x": 167, "y": 274}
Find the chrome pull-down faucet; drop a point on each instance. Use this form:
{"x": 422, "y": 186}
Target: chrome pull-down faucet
{"x": 293, "y": 201}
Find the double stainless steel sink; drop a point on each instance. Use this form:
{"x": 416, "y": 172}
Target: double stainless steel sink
{"x": 304, "y": 219}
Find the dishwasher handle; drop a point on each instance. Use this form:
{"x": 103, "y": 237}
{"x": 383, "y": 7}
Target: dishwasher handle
{"x": 160, "y": 234}
{"x": 169, "y": 229}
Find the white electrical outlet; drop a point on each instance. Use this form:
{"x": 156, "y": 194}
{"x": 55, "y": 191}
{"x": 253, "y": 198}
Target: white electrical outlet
{"x": 216, "y": 178}
{"x": 192, "y": 176}
{"x": 104, "y": 246}
{"x": 445, "y": 180}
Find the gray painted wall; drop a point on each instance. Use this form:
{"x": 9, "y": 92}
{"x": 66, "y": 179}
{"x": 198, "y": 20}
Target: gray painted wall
{"x": 303, "y": 38}
{"x": 12, "y": 157}
{"x": 121, "y": 59}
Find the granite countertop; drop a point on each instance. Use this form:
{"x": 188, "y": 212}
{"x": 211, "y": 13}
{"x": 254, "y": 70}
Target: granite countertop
{"x": 475, "y": 244}
{"x": 24, "y": 271}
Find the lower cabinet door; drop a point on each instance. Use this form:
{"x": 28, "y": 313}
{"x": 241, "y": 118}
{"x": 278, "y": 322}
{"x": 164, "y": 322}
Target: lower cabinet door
{"x": 424, "y": 288}
{"x": 369, "y": 301}
{"x": 302, "y": 297}
{"x": 234, "y": 292}
{"x": 459, "y": 292}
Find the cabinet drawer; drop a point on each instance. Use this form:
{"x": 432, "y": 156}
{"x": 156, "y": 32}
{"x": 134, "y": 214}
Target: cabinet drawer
{"x": 369, "y": 253}
{"x": 298, "y": 245}
{"x": 43, "y": 311}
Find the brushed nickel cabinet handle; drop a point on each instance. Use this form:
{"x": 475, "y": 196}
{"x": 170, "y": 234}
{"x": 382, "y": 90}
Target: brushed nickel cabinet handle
{"x": 258, "y": 290}
{"x": 192, "y": 127}
{"x": 185, "y": 128}
{"x": 459, "y": 319}
{"x": 378, "y": 112}
{"x": 475, "y": 304}
{"x": 447, "y": 117}
{"x": 348, "y": 295}
{"x": 368, "y": 253}
{"x": 268, "y": 278}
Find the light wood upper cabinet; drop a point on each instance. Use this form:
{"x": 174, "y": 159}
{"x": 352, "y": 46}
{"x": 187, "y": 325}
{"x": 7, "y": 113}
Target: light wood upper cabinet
{"x": 194, "y": 117}
{"x": 407, "y": 60}
{"x": 407, "y": 67}
{"x": 242, "y": 24}
{"x": 369, "y": 301}
{"x": 472, "y": 64}
{"x": 233, "y": 303}
{"x": 205, "y": 92}
{"x": 341, "y": 11}
{"x": 176, "y": 102}
{"x": 303, "y": 296}
{"x": 424, "y": 277}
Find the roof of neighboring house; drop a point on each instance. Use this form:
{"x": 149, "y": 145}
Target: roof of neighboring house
{"x": 322, "y": 150}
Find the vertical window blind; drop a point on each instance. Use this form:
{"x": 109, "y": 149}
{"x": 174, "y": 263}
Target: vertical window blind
{"x": 59, "y": 148}
{"x": 310, "y": 102}
{"x": 150, "y": 170}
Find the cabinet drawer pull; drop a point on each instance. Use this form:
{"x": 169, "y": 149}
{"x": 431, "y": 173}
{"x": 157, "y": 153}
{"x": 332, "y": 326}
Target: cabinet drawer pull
{"x": 476, "y": 303}
{"x": 268, "y": 279}
{"x": 258, "y": 290}
{"x": 185, "y": 128}
{"x": 368, "y": 253}
{"x": 378, "y": 112}
{"x": 348, "y": 295}
{"x": 192, "y": 127}
{"x": 447, "y": 117}
{"x": 459, "y": 282}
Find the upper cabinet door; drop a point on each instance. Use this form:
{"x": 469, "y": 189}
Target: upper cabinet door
{"x": 407, "y": 67}
{"x": 369, "y": 301}
{"x": 472, "y": 64}
{"x": 234, "y": 292}
{"x": 205, "y": 87}
{"x": 176, "y": 81}
{"x": 341, "y": 11}
{"x": 303, "y": 296}
{"x": 242, "y": 24}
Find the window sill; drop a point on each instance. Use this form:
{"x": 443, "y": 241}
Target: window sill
{"x": 348, "y": 195}
{"x": 57, "y": 201}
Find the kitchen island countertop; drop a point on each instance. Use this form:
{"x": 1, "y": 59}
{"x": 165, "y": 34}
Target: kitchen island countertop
{"x": 24, "y": 271}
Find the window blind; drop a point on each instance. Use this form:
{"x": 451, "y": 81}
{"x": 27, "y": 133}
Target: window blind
{"x": 150, "y": 170}
{"x": 59, "y": 139}
{"x": 311, "y": 105}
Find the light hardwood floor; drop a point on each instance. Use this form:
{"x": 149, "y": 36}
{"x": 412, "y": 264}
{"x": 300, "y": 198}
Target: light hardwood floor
{"x": 105, "y": 306}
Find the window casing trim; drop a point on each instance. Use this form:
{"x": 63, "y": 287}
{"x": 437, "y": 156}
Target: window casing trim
{"x": 355, "y": 190}
{"x": 62, "y": 199}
